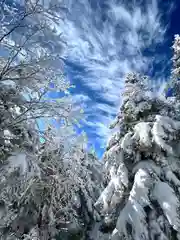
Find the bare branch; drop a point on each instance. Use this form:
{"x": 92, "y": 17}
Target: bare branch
{"x": 15, "y": 27}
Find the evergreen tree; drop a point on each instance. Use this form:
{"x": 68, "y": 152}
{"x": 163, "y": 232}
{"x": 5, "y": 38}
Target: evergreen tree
{"x": 142, "y": 162}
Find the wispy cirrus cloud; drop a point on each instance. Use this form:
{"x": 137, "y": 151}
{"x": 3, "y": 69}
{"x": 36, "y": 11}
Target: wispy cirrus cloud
{"x": 105, "y": 40}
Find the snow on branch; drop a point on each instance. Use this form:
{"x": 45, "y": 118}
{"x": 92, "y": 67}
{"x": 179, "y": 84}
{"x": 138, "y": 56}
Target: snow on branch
{"x": 169, "y": 203}
{"x": 132, "y": 219}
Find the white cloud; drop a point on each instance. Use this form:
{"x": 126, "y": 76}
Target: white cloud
{"x": 100, "y": 129}
{"x": 110, "y": 48}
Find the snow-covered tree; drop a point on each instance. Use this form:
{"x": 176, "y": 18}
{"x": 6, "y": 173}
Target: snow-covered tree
{"x": 48, "y": 188}
{"x": 39, "y": 179}
{"x": 49, "y": 183}
{"x": 173, "y": 86}
{"x": 31, "y": 71}
{"x": 85, "y": 171}
{"x": 176, "y": 60}
{"x": 142, "y": 177}
{"x": 31, "y": 50}
{"x": 49, "y": 193}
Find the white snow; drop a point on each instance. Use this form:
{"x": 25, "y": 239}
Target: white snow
{"x": 8, "y": 136}
{"x": 148, "y": 166}
{"x": 133, "y": 213}
{"x": 114, "y": 191}
{"x": 122, "y": 172}
{"x": 156, "y": 225}
{"x": 24, "y": 162}
{"x": 106, "y": 195}
{"x": 142, "y": 134}
{"x": 140, "y": 190}
{"x": 168, "y": 201}
{"x": 170, "y": 176}
{"x": 18, "y": 160}
{"x": 126, "y": 143}
{"x": 159, "y": 134}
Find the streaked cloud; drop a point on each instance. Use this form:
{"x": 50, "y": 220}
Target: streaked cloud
{"x": 108, "y": 39}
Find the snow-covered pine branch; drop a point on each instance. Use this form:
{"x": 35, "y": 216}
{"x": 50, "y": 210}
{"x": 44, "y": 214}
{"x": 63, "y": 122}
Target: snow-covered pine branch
{"x": 141, "y": 165}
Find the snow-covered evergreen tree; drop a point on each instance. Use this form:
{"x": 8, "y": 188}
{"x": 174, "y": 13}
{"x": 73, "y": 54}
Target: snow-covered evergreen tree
{"x": 142, "y": 165}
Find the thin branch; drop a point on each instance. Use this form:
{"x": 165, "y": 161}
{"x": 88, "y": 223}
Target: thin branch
{"x": 15, "y": 27}
{"x": 11, "y": 59}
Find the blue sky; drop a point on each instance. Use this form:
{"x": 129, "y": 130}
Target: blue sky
{"x": 107, "y": 39}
